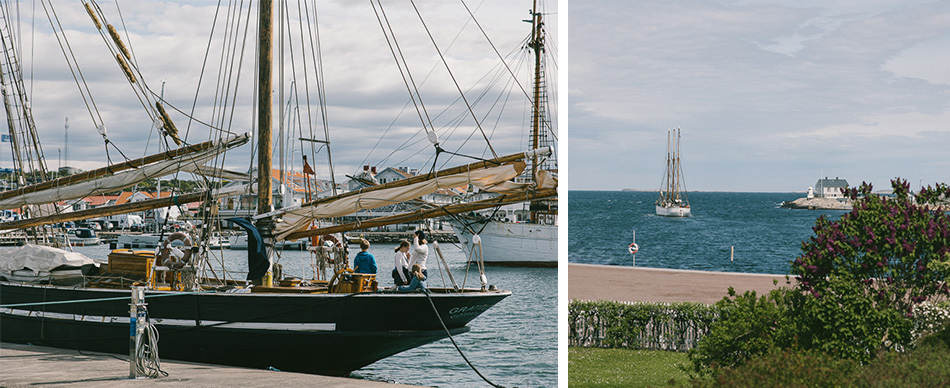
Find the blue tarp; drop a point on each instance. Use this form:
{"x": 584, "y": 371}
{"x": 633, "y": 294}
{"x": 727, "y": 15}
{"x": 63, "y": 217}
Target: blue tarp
{"x": 257, "y": 263}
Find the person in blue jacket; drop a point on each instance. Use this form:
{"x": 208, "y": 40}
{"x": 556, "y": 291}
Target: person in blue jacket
{"x": 364, "y": 261}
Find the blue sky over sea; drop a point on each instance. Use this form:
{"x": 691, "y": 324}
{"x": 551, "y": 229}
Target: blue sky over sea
{"x": 769, "y": 94}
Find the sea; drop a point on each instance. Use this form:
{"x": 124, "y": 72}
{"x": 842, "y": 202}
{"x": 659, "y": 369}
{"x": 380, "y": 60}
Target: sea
{"x": 512, "y": 344}
{"x": 728, "y": 231}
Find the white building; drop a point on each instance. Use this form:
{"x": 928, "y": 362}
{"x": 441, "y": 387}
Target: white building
{"x": 830, "y": 188}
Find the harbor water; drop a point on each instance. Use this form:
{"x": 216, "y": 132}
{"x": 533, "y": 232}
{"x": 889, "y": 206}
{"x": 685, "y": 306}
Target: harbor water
{"x": 764, "y": 236}
{"x": 512, "y": 344}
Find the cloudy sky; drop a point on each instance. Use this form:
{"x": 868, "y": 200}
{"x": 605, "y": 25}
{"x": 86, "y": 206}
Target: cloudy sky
{"x": 369, "y": 115}
{"x": 769, "y": 94}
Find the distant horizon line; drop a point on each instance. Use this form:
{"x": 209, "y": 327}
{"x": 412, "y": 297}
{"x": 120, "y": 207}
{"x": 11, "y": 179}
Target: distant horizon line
{"x": 691, "y": 191}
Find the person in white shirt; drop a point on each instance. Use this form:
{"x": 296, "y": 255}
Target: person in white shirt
{"x": 401, "y": 274}
{"x": 420, "y": 251}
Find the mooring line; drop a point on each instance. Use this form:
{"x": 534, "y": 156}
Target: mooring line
{"x": 428, "y": 296}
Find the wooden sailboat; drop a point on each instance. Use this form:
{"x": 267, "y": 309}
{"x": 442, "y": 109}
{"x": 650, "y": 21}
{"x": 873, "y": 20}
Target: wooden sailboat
{"x": 503, "y": 239}
{"x": 326, "y": 327}
{"x": 673, "y": 201}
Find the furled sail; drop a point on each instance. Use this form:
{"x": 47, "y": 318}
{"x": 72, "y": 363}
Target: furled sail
{"x": 479, "y": 175}
{"x": 465, "y": 207}
{"x": 101, "y": 184}
{"x": 128, "y": 207}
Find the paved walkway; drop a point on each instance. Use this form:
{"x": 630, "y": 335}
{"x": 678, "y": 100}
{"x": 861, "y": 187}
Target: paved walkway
{"x": 29, "y": 366}
{"x": 638, "y": 284}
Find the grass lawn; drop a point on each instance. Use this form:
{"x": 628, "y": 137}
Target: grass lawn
{"x": 592, "y": 367}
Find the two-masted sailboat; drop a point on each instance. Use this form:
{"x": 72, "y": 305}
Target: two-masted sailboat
{"x": 673, "y": 201}
{"x": 330, "y": 326}
{"x": 514, "y": 237}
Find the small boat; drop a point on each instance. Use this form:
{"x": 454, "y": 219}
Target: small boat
{"x": 136, "y": 241}
{"x": 239, "y": 242}
{"x": 79, "y": 237}
{"x": 673, "y": 201}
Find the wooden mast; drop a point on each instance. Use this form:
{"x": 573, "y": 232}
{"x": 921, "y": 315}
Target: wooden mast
{"x": 264, "y": 141}
{"x": 536, "y": 44}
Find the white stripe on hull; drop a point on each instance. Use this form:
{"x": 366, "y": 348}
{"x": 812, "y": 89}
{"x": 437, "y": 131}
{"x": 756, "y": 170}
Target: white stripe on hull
{"x": 280, "y": 326}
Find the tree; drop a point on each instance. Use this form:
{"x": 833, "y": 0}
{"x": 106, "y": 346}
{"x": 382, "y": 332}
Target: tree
{"x": 897, "y": 249}
{"x": 859, "y": 279}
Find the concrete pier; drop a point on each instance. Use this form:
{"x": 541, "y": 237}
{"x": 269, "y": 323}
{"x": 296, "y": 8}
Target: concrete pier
{"x": 29, "y": 366}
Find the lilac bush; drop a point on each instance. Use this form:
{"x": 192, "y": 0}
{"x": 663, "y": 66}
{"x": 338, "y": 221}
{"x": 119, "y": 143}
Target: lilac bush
{"x": 896, "y": 248}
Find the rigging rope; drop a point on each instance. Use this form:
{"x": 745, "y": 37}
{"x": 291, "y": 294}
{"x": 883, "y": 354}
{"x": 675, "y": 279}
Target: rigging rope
{"x": 457, "y": 348}
{"x": 146, "y": 355}
{"x": 442, "y": 57}
{"x": 409, "y": 82}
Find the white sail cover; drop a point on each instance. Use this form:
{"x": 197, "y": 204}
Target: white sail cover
{"x": 39, "y": 258}
{"x": 294, "y": 219}
{"x": 546, "y": 180}
{"x": 119, "y": 181}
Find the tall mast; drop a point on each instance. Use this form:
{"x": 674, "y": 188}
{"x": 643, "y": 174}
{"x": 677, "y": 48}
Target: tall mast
{"x": 264, "y": 140}
{"x": 676, "y": 166}
{"x": 669, "y": 168}
{"x": 537, "y": 43}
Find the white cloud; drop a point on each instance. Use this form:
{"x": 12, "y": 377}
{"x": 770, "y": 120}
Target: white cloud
{"x": 364, "y": 90}
{"x": 767, "y": 92}
{"x": 927, "y": 60}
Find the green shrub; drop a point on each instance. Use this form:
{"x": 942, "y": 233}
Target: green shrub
{"x": 748, "y": 326}
{"x": 895, "y": 248}
{"x": 786, "y": 368}
{"x": 926, "y": 366}
{"x": 847, "y": 323}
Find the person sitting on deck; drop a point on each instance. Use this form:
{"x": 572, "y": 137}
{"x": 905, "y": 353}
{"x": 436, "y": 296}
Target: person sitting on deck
{"x": 364, "y": 261}
{"x": 418, "y": 280}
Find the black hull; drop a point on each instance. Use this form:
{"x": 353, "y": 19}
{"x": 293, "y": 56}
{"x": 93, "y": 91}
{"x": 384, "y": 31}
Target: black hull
{"x": 327, "y": 334}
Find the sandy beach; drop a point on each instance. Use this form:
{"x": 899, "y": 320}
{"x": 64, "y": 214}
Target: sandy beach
{"x": 636, "y": 284}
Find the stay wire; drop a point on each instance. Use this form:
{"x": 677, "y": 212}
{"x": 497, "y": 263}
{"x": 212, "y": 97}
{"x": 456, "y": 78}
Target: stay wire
{"x": 140, "y": 90}
{"x": 492, "y": 44}
{"x": 204, "y": 66}
{"x": 393, "y": 48}
{"x": 70, "y": 61}
{"x": 454, "y": 81}
{"x": 392, "y": 124}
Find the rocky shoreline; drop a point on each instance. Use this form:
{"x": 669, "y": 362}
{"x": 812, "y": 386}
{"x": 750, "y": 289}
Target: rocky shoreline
{"x": 819, "y": 204}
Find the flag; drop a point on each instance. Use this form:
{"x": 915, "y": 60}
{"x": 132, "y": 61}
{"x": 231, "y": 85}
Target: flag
{"x": 306, "y": 168}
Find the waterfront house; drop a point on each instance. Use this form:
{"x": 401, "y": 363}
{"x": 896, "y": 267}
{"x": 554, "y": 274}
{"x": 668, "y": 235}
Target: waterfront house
{"x": 830, "y": 188}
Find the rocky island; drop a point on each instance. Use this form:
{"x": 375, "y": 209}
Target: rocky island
{"x": 819, "y": 204}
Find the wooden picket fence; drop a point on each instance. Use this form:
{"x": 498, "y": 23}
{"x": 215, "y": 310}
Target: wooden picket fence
{"x": 654, "y": 326}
